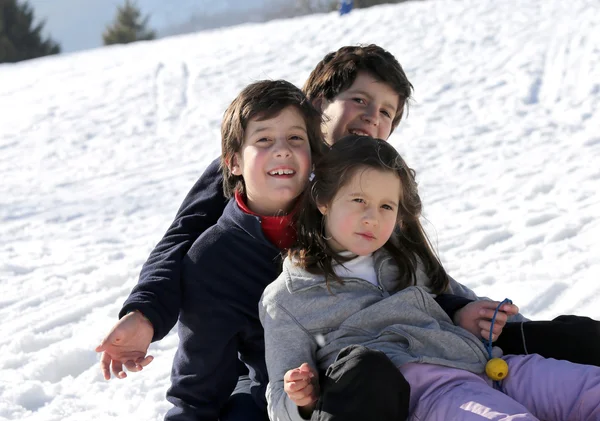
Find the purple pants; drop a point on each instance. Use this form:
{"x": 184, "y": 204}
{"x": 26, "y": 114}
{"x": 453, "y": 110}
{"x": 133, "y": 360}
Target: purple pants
{"x": 536, "y": 389}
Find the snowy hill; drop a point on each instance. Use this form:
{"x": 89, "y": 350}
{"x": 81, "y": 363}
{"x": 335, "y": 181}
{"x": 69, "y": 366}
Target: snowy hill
{"x": 98, "y": 148}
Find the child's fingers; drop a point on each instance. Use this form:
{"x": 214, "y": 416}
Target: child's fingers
{"x": 486, "y": 325}
{"x": 485, "y": 331}
{"x": 138, "y": 364}
{"x": 296, "y": 374}
{"x": 133, "y": 366}
{"x": 500, "y": 322}
{"x": 501, "y": 317}
{"x": 117, "y": 369}
{"x": 101, "y": 347}
{"x": 296, "y": 386}
{"x": 105, "y": 365}
{"x": 303, "y": 401}
{"x": 143, "y": 362}
{"x": 489, "y": 307}
{"x": 485, "y": 334}
{"x": 307, "y": 369}
{"x": 510, "y": 309}
{"x": 302, "y": 397}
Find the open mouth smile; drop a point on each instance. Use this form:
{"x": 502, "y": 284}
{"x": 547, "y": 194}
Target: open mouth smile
{"x": 282, "y": 172}
{"x": 359, "y": 132}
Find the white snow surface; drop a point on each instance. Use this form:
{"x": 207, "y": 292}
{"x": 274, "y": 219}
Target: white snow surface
{"x": 99, "y": 148}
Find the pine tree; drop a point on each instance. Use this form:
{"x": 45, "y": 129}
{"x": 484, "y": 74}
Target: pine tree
{"x": 128, "y": 26}
{"x": 19, "y": 38}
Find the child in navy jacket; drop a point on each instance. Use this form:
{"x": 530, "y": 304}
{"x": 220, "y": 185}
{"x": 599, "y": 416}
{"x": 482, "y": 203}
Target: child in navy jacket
{"x": 268, "y": 134}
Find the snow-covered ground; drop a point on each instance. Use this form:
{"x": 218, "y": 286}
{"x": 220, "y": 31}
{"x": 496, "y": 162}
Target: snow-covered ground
{"x": 97, "y": 150}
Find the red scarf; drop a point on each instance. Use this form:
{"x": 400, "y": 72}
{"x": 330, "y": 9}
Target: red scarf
{"x": 278, "y": 229}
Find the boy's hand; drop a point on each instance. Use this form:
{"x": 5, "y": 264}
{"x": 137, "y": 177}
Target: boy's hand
{"x": 302, "y": 387}
{"x": 127, "y": 343}
{"x": 476, "y": 317}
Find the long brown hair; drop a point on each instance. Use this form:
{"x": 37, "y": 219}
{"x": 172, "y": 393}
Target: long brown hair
{"x": 407, "y": 246}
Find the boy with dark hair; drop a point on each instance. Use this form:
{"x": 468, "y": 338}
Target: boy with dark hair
{"x": 338, "y": 71}
{"x": 360, "y": 90}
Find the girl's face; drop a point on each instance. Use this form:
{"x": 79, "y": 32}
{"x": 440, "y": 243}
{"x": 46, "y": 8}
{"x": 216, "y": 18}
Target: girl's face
{"x": 274, "y": 161}
{"x": 363, "y": 213}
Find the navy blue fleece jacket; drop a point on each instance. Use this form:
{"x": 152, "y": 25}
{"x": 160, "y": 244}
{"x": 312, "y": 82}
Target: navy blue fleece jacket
{"x": 223, "y": 277}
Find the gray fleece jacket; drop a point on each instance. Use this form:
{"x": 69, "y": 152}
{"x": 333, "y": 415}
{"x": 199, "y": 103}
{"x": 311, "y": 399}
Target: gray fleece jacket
{"x": 304, "y": 322}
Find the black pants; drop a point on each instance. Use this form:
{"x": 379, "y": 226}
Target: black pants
{"x": 360, "y": 385}
{"x": 241, "y": 405}
{"x": 572, "y": 338}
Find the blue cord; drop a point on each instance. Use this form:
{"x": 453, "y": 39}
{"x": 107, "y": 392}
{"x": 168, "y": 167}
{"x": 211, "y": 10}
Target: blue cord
{"x": 488, "y": 346}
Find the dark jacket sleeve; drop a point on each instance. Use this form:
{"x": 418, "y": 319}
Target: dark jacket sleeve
{"x": 158, "y": 292}
{"x": 572, "y": 338}
{"x": 452, "y": 303}
{"x": 205, "y": 367}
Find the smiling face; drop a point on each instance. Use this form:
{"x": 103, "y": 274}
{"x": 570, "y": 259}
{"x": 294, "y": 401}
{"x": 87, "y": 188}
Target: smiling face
{"x": 274, "y": 162}
{"x": 367, "y": 107}
{"x": 363, "y": 213}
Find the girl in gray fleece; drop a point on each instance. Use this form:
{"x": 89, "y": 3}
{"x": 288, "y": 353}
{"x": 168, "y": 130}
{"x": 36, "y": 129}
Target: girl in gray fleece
{"x": 354, "y": 279}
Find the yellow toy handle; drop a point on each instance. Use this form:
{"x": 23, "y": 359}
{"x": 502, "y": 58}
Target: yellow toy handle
{"x": 496, "y": 369}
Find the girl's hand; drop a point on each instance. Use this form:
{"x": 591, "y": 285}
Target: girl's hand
{"x": 476, "y": 317}
{"x": 302, "y": 387}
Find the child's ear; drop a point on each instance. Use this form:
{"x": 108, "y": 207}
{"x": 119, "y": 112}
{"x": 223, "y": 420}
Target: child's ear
{"x": 322, "y": 209}
{"x": 234, "y": 165}
{"x": 318, "y": 103}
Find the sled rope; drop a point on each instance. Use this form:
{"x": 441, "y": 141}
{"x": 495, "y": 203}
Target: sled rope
{"x": 488, "y": 346}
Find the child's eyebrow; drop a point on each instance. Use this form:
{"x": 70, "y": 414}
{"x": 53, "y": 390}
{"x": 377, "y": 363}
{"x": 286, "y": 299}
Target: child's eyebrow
{"x": 299, "y": 128}
{"x": 363, "y": 194}
{"x": 265, "y": 128}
